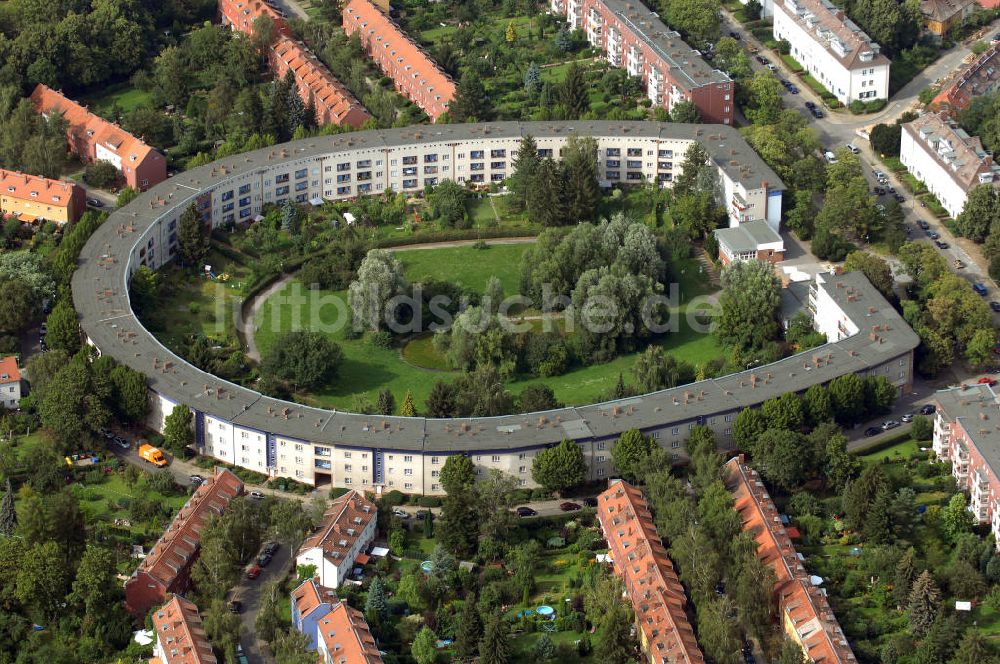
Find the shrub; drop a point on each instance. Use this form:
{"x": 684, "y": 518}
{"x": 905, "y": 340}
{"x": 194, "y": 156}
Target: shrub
{"x": 857, "y": 107}
{"x": 429, "y": 501}
{"x": 101, "y": 174}
{"x": 995, "y": 268}
{"x": 337, "y": 492}
{"x": 380, "y": 339}
{"x": 784, "y": 47}
{"x": 875, "y": 105}
{"x": 393, "y": 498}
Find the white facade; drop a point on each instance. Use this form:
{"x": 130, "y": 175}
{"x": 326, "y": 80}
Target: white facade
{"x": 919, "y": 160}
{"x": 828, "y": 316}
{"x": 331, "y": 570}
{"x": 823, "y": 54}
{"x": 767, "y": 7}
{"x": 10, "y": 394}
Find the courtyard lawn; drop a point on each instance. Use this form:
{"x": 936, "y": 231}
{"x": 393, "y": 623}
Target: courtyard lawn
{"x": 468, "y": 266}
{"x": 899, "y": 451}
{"x": 367, "y": 369}
{"x": 100, "y": 501}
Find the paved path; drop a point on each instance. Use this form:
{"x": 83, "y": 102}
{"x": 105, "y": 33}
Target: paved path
{"x": 248, "y": 592}
{"x": 292, "y": 7}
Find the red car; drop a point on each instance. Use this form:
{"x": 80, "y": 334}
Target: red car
{"x": 986, "y": 380}
{"x": 253, "y": 571}
{"x": 569, "y": 507}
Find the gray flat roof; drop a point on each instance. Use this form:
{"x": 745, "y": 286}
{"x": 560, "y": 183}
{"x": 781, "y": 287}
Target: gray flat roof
{"x": 976, "y": 408}
{"x": 680, "y": 56}
{"x": 747, "y": 236}
{"x": 100, "y": 295}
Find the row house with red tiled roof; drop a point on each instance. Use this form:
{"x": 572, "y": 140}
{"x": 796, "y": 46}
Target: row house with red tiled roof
{"x": 92, "y": 139}
{"x": 180, "y": 635}
{"x": 314, "y": 82}
{"x": 348, "y": 528}
{"x": 415, "y": 75}
{"x": 30, "y": 198}
{"x": 338, "y": 633}
{"x": 977, "y": 78}
{"x": 334, "y": 103}
{"x": 634, "y": 38}
{"x": 167, "y": 568}
{"x": 806, "y": 615}
{"x": 241, "y": 15}
{"x": 652, "y": 585}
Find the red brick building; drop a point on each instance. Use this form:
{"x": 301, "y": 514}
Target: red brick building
{"x": 315, "y": 82}
{"x": 635, "y": 39}
{"x": 415, "y": 75}
{"x": 241, "y": 14}
{"x": 805, "y": 613}
{"x": 92, "y": 138}
{"x": 334, "y": 103}
{"x": 180, "y": 635}
{"x": 167, "y": 568}
{"x": 653, "y": 587}
{"x": 980, "y": 77}
{"x": 967, "y": 433}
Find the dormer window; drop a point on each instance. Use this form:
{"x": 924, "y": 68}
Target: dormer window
{"x": 34, "y": 194}
{"x": 56, "y": 198}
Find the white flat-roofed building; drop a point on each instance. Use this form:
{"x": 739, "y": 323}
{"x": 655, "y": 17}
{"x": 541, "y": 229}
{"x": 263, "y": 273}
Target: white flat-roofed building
{"x": 833, "y": 49}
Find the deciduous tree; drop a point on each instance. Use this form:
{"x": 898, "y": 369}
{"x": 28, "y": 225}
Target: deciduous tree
{"x": 560, "y": 467}
{"x": 631, "y": 453}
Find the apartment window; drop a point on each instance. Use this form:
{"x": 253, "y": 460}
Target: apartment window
{"x": 496, "y": 154}
{"x": 430, "y": 158}
{"x": 366, "y": 163}
{"x": 281, "y": 191}
{"x": 408, "y": 459}
{"x": 634, "y": 152}
{"x": 613, "y": 163}
{"x": 301, "y": 174}
{"x": 477, "y": 166}
{"x": 228, "y": 195}
{"x": 408, "y": 471}
{"x": 675, "y": 431}
{"x": 343, "y": 191}
{"x": 281, "y": 178}
{"x": 601, "y": 459}
{"x": 347, "y": 480}
{"x": 409, "y": 161}
{"x": 347, "y": 455}
{"x": 600, "y": 472}
{"x": 410, "y": 184}
{"x": 614, "y": 175}
{"x": 729, "y": 431}
{"x": 435, "y": 487}
{"x": 434, "y": 460}
{"x": 301, "y": 186}
{"x": 435, "y": 473}
{"x": 364, "y": 188}
{"x": 408, "y": 485}
{"x": 476, "y": 154}
{"x": 244, "y": 201}
{"x": 521, "y": 469}
{"x": 228, "y": 207}
{"x": 668, "y": 154}
{"x": 498, "y": 165}
{"x": 496, "y": 458}
{"x": 345, "y": 166}
{"x": 344, "y": 178}
{"x": 244, "y": 189}
{"x": 613, "y": 152}
{"x": 600, "y": 445}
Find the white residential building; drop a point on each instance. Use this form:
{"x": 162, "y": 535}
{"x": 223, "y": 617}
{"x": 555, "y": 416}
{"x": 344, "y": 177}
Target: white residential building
{"x": 348, "y": 528}
{"x": 833, "y": 49}
{"x": 946, "y": 159}
{"x": 10, "y": 383}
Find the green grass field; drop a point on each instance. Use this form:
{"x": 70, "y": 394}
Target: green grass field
{"x": 367, "y": 369}
{"x": 195, "y": 304}
{"x": 127, "y": 98}
{"x": 902, "y": 450}
{"x": 467, "y": 266}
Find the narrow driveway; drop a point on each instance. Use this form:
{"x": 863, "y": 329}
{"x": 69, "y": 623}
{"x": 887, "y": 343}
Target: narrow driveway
{"x": 292, "y": 8}
{"x": 248, "y": 593}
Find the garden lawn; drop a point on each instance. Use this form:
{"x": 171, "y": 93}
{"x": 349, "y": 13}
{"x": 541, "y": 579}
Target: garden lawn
{"x": 901, "y": 450}
{"x": 197, "y": 304}
{"x": 468, "y": 266}
{"x": 127, "y": 97}
{"x": 98, "y": 500}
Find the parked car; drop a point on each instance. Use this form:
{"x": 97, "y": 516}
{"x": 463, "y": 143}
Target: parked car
{"x": 810, "y": 105}
{"x": 735, "y": 35}
{"x": 980, "y": 289}
{"x": 923, "y": 224}
{"x": 986, "y": 380}
{"x": 569, "y": 506}
{"x": 890, "y": 424}
{"x": 878, "y": 190}
{"x": 899, "y": 198}
{"x": 196, "y": 480}
{"x": 928, "y": 409}
{"x": 872, "y": 431}
{"x": 253, "y": 572}
{"x": 891, "y": 189}
{"x": 853, "y": 148}
{"x": 526, "y": 511}
{"x": 793, "y": 89}
{"x": 590, "y": 502}
{"x": 236, "y": 606}
{"x": 907, "y": 417}
{"x": 878, "y": 174}
{"x": 93, "y": 202}
{"x": 994, "y": 305}
{"x": 830, "y": 157}
{"x": 271, "y": 548}
{"x": 817, "y": 113}
{"x": 122, "y": 443}
{"x": 423, "y": 514}
{"x": 941, "y": 244}
{"x": 957, "y": 264}
{"x": 257, "y": 495}
{"x": 264, "y": 559}
{"x": 402, "y": 514}
{"x": 931, "y": 234}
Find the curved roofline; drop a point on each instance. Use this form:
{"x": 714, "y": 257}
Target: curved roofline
{"x": 100, "y": 293}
